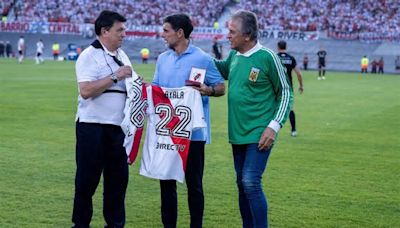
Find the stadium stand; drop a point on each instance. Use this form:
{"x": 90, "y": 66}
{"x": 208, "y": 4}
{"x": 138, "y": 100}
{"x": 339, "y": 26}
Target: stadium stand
{"x": 139, "y": 12}
{"x": 367, "y": 17}
{"x": 342, "y": 24}
{"x": 335, "y": 15}
{"x": 6, "y": 6}
{"x": 342, "y": 55}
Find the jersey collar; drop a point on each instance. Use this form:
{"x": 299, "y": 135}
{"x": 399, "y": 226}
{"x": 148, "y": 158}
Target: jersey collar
{"x": 248, "y": 53}
{"x": 188, "y": 50}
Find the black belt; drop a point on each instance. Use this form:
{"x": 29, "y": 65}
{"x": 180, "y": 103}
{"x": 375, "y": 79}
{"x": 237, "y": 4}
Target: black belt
{"x": 115, "y": 91}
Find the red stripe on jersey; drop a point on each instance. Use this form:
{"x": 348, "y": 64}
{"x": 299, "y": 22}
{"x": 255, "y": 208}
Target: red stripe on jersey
{"x": 160, "y": 98}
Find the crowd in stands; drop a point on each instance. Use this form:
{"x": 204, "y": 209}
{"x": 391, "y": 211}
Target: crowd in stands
{"x": 5, "y": 6}
{"x": 333, "y": 15}
{"x": 138, "y": 12}
{"x": 364, "y": 17}
{"x": 288, "y": 15}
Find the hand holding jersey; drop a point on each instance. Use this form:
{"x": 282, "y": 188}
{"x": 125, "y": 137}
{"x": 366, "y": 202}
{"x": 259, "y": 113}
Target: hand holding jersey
{"x": 133, "y": 122}
{"x": 172, "y": 115}
{"x": 124, "y": 72}
{"x": 205, "y": 90}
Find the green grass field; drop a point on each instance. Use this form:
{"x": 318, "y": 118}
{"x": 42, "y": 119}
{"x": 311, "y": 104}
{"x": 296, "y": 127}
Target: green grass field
{"x": 343, "y": 170}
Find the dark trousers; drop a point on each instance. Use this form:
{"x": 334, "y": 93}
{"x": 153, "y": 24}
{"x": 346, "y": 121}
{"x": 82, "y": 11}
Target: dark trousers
{"x": 292, "y": 118}
{"x": 194, "y": 184}
{"x": 99, "y": 150}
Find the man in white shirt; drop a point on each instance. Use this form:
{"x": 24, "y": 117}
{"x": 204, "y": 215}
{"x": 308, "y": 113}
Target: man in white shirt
{"x": 39, "y": 52}
{"x": 21, "y": 49}
{"x": 101, "y": 70}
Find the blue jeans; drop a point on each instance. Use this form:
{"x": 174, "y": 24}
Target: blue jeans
{"x": 250, "y": 164}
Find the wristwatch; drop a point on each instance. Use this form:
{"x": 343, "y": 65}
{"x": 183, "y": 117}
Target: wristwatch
{"x": 212, "y": 91}
{"x": 114, "y": 78}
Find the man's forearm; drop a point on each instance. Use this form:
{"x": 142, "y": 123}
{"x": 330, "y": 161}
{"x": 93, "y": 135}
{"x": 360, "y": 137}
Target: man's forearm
{"x": 218, "y": 90}
{"x": 94, "y": 88}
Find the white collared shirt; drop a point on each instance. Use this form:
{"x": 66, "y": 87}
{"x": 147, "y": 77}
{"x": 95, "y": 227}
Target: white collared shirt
{"x": 107, "y": 108}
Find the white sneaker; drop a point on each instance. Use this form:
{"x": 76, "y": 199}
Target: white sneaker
{"x": 293, "y": 134}
{"x": 319, "y": 78}
{"x": 323, "y": 78}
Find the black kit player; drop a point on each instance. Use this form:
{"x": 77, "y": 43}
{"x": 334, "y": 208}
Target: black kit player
{"x": 290, "y": 63}
{"x": 321, "y": 63}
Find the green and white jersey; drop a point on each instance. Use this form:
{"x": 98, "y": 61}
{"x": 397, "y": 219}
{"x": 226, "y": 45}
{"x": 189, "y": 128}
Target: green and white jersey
{"x": 259, "y": 94}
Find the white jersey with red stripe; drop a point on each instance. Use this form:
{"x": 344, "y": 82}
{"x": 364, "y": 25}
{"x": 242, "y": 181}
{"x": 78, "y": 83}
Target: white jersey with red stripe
{"x": 172, "y": 115}
{"x": 135, "y": 109}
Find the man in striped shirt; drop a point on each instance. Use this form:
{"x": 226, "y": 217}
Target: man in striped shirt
{"x": 259, "y": 100}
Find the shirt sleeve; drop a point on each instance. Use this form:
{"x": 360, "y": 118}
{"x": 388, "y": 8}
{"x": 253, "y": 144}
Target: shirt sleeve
{"x": 213, "y": 76}
{"x": 86, "y": 68}
{"x": 282, "y": 90}
{"x": 156, "y": 75}
{"x": 223, "y": 65}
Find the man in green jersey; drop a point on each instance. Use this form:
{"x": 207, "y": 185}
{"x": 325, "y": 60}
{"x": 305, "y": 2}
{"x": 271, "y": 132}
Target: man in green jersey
{"x": 259, "y": 99}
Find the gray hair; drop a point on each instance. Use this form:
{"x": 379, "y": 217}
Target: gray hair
{"x": 249, "y": 23}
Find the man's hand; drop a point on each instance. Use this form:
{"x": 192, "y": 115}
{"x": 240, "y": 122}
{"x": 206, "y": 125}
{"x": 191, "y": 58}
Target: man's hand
{"x": 267, "y": 139}
{"x": 214, "y": 90}
{"x": 204, "y": 90}
{"x": 301, "y": 89}
{"x": 123, "y": 72}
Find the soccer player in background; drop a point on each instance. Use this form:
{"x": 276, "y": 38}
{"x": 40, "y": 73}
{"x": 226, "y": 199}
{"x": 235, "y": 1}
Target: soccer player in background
{"x": 381, "y": 64}
{"x": 21, "y": 49}
{"x": 39, "y": 52}
{"x": 321, "y": 63}
{"x": 217, "y": 49}
{"x": 305, "y": 62}
{"x": 9, "y": 52}
{"x": 290, "y": 63}
{"x": 397, "y": 63}
{"x": 172, "y": 70}
{"x": 259, "y": 100}
{"x": 374, "y": 65}
{"x": 2, "y": 48}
